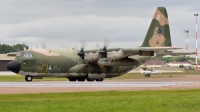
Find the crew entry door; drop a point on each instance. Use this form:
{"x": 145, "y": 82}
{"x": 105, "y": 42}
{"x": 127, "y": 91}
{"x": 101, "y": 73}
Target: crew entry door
{"x": 44, "y": 68}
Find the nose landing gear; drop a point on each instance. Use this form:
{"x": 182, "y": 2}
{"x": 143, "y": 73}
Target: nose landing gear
{"x": 28, "y": 78}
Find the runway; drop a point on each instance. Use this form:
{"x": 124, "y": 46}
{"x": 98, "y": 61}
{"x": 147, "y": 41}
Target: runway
{"x": 92, "y": 84}
{"x": 176, "y": 83}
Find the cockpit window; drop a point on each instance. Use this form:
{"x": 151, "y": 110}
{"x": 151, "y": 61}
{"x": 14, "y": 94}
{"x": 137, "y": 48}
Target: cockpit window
{"x": 27, "y": 55}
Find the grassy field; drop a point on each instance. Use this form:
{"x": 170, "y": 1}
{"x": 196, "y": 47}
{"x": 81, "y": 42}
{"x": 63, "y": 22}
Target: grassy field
{"x": 135, "y": 101}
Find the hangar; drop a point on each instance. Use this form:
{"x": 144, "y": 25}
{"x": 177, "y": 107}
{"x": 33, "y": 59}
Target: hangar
{"x": 4, "y": 59}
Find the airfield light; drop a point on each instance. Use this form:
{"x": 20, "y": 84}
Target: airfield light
{"x": 186, "y": 31}
{"x": 196, "y": 43}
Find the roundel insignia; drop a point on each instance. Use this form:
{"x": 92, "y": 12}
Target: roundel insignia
{"x": 158, "y": 31}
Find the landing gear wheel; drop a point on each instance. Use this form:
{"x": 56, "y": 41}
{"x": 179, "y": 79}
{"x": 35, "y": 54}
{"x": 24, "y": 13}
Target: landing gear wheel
{"x": 28, "y": 78}
{"x": 72, "y": 79}
{"x": 99, "y": 80}
{"x": 90, "y": 80}
{"x": 147, "y": 75}
{"x": 81, "y": 79}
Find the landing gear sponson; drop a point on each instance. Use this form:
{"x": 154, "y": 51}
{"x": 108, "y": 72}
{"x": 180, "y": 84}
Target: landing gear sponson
{"x": 71, "y": 79}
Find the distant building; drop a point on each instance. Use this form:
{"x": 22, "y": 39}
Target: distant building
{"x": 4, "y": 59}
{"x": 177, "y": 64}
{"x": 154, "y": 63}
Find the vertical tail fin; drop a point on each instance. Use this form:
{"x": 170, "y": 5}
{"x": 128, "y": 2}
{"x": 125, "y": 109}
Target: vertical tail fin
{"x": 158, "y": 34}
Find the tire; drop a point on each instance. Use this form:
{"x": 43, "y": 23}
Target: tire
{"x": 90, "y": 80}
{"x": 99, "y": 80}
{"x": 147, "y": 75}
{"x": 28, "y": 78}
{"x": 72, "y": 79}
{"x": 81, "y": 79}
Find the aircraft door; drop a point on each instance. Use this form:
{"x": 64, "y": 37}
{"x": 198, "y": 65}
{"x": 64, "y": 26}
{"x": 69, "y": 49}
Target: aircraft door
{"x": 44, "y": 68}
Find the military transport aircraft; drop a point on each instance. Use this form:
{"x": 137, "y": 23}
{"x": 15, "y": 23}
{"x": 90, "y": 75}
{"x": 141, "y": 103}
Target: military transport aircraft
{"x": 97, "y": 65}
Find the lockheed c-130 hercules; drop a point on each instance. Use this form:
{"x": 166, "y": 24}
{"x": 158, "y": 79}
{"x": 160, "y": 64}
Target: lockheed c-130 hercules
{"x": 97, "y": 65}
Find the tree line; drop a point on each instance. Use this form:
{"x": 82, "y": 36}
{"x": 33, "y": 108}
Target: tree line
{"x": 5, "y": 48}
{"x": 175, "y": 58}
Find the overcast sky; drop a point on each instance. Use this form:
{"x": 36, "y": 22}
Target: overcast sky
{"x": 63, "y": 23}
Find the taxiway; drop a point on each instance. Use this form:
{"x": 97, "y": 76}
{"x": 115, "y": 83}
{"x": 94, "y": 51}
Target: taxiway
{"x": 92, "y": 84}
{"x": 173, "y": 83}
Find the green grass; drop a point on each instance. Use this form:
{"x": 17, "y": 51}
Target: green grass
{"x": 135, "y": 101}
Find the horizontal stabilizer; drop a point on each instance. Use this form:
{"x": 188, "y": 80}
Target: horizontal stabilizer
{"x": 175, "y": 53}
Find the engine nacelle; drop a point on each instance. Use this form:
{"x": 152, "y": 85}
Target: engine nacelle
{"x": 92, "y": 56}
{"x": 120, "y": 62}
{"x": 78, "y": 70}
{"x": 116, "y": 54}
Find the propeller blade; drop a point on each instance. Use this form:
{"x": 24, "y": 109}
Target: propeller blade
{"x": 81, "y": 53}
{"x": 23, "y": 45}
{"x": 83, "y": 44}
{"x": 106, "y": 42}
{"x": 103, "y": 51}
{"x": 97, "y": 47}
{"x": 44, "y": 45}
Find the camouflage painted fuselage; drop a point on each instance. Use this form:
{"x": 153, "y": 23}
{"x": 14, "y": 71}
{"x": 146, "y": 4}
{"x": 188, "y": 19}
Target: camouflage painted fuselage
{"x": 93, "y": 64}
{"x": 58, "y": 63}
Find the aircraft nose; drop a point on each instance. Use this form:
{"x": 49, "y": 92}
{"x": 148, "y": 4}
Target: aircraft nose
{"x": 14, "y": 66}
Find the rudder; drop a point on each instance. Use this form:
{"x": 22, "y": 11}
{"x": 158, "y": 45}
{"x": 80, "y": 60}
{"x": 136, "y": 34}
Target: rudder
{"x": 158, "y": 34}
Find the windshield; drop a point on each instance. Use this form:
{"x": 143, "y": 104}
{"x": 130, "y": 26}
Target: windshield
{"x": 27, "y": 55}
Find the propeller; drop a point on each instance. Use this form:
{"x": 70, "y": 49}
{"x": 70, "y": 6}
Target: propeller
{"x": 81, "y": 53}
{"x": 23, "y": 46}
{"x": 103, "y": 51}
{"x": 44, "y": 45}
{"x": 97, "y": 47}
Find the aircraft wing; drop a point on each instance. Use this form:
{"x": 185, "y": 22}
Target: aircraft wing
{"x": 137, "y": 49}
{"x": 119, "y": 53}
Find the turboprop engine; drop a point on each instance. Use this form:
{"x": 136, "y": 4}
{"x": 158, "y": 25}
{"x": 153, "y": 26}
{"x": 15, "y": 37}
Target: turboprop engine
{"x": 120, "y": 62}
{"x": 92, "y": 56}
{"x": 116, "y": 55}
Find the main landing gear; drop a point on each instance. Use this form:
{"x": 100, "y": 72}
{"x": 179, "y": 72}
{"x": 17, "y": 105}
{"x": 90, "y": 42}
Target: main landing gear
{"x": 147, "y": 75}
{"x": 72, "y": 79}
{"x": 28, "y": 78}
